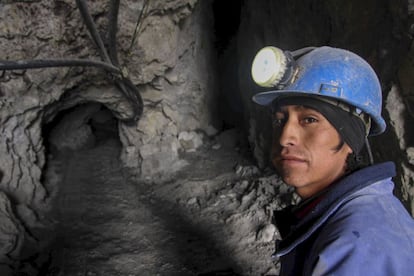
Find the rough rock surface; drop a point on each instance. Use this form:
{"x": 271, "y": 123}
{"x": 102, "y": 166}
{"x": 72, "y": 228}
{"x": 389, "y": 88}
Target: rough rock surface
{"x": 166, "y": 60}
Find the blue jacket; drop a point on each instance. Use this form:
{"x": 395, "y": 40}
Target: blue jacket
{"x": 357, "y": 228}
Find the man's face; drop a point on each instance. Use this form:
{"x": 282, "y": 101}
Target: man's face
{"x": 305, "y": 149}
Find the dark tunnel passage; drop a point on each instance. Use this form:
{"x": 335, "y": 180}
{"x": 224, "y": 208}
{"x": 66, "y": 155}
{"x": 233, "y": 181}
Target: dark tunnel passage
{"x": 79, "y": 128}
{"x": 82, "y": 145}
{"x": 226, "y": 27}
{"x": 108, "y": 224}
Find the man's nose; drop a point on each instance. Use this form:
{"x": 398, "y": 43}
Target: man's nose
{"x": 289, "y": 134}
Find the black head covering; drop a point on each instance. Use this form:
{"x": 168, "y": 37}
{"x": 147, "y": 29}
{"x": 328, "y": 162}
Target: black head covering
{"x": 350, "y": 127}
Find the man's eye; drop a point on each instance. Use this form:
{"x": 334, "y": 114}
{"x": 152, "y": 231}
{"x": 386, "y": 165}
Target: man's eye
{"x": 309, "y": 120}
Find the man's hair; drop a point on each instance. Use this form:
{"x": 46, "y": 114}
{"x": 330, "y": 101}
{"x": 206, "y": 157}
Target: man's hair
{"x": 355, "y": 162}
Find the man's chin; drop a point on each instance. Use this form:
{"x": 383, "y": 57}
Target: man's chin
{"x": 292, "y": 180}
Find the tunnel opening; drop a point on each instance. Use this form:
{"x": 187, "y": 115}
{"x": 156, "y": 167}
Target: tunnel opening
{"x": 80, "y": 127}
{"x": 81, "y": 144}
{"x": 109, "y": 225}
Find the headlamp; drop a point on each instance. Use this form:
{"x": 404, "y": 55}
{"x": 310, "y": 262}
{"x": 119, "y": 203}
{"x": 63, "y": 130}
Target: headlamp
{"x": 273, "y": 67}
{"x": 269, "y": 66}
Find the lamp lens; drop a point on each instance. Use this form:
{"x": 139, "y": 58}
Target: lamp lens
{"x": 268, "y": 66}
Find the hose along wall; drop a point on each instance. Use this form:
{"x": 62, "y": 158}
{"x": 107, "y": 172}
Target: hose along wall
{"x": 110, "y": 61}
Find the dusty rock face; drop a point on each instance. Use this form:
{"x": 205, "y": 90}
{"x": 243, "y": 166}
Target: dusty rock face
{"x": 180, "y": 94}
{"x": 166, "y": 60}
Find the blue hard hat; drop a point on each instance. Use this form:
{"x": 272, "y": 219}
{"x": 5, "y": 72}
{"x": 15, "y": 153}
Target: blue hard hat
{"x": 336, "y": 74}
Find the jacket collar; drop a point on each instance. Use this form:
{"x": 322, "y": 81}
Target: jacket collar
{"x": 296, "y": 231}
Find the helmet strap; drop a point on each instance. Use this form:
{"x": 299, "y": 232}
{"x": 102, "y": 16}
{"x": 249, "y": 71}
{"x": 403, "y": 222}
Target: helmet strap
{"x": 368, "y": 147}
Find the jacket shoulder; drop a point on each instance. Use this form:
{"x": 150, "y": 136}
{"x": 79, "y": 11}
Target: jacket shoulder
{"x": 369, "y": 233}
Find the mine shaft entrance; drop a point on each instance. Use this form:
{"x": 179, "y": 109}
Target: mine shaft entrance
{"x": 79, "y": 128}
{"x": 88, "y": 188}
{"x": 109, "y": 224}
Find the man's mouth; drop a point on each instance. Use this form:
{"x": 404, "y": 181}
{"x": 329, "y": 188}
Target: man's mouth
{"x": 291, "y": 160}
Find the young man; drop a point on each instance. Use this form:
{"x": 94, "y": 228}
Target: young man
{"x": 348, "y": 222}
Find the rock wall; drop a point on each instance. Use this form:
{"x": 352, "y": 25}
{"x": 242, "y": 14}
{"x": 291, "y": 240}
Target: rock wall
{"x": 180, "y": 92}
{"x": 168, "y": 57}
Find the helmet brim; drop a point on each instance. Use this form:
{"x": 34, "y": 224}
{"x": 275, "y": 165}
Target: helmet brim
{"x": 266, "y": 98}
